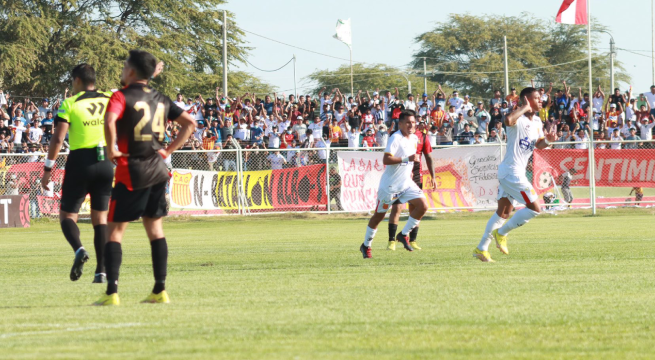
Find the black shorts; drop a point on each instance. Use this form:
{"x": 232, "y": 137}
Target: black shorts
{"x": 129, "y": 205}
{"x": 86, "y": 175}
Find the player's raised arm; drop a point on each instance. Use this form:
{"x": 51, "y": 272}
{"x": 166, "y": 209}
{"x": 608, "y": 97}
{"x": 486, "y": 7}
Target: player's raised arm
{"x": 511, "y": 119}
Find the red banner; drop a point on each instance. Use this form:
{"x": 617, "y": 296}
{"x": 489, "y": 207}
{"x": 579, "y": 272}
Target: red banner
{"x": 29, "y": 174}
{"x": 300, "y": 187}
{"x": 614, "y": 168}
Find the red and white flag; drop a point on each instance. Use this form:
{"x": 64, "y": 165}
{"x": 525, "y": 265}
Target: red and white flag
{"x": 572, "y": 12}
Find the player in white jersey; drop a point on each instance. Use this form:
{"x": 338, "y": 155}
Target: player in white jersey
{"x": 397, "y": 183}
{"x": 524, "y": 134}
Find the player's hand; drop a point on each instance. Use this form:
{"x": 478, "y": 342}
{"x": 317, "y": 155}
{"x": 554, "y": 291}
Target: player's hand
{"x": 433, "y": 183}
{"x": 115, "y": 154}
{"x": 164, "y": 153}
{"x": 45, "y": 180}
{"x": 526, "y": 105}
{"x": 158, "y": 69}
{"x": 412, "y": 158}
{"x": 551, "y": 136}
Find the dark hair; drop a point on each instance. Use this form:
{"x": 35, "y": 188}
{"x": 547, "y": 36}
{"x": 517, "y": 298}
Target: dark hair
{"x": 405, "y": 114}
{"x": 527, "y": 92}
{"x": 143, "y": 62}
{"x": 85, "y": 73}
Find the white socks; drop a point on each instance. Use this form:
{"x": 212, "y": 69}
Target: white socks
{"x": 494, "y": 223}
{"x": 370, "y": 234}
{"x": 411, "y": 223}
{"x": 519, "y": 219}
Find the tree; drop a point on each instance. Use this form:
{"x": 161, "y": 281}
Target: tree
{"x": 466, "y": 53}
{"x": 370, "y": 77}
{"x": 41, "y": 40}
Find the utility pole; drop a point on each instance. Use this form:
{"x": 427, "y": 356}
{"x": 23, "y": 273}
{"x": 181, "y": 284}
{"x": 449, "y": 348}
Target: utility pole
{"x": 506, "y": 67}
{"x": 612, "y": 54}
{"x": 425, "y": 79}
{"x": 224, "y": 53}
{"x": 295, "y": 90}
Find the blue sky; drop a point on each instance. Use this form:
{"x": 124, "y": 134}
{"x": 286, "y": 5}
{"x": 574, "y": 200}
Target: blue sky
{"x": 382, "y": 34}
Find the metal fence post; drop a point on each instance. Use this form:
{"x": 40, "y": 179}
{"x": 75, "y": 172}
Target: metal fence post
{"x": 327, "y": 175}
{"x": 592, "y": 174}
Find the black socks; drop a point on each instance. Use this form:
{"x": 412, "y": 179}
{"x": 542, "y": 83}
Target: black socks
{"x": 413, "y": 234}
{"x": 113, "y": 259}
{"x": 99, "y": 240}
{"x": 392, "y": 231}
{"x": 71, "y": 233}
{"x": 159, "y": 250}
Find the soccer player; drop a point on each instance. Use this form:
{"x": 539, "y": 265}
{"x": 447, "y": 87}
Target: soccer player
{"x": 423, "y": 147}
{"x": 87, "y": 169}
{"x": 135, "y": 119}
{"x": 524, "y": 133}
{"x": 397, "y": 184}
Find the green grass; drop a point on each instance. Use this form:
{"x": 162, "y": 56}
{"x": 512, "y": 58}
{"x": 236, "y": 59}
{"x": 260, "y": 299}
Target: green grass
{"x": 296, "y": 287}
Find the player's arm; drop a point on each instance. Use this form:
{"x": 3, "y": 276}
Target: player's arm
{"x": 430, "y": 164}
{"x": 188, "y": 124}
{"x": 511, "y": 119}
{"x": 545, "y": 141}
{"x": 389, "y": 159}
{"x": 61, "y": 128}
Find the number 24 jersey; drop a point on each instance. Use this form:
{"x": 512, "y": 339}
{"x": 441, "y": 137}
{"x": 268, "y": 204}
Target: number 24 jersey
{"x": 140, "y": 130}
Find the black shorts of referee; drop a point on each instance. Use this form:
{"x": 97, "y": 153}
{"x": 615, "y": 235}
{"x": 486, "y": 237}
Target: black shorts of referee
{"x": 83, "y": 175}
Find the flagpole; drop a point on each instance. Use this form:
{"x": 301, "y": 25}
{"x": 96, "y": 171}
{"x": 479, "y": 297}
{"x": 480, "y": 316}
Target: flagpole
{"x": 352, "y": 91}
{"x": 589, "y": 45}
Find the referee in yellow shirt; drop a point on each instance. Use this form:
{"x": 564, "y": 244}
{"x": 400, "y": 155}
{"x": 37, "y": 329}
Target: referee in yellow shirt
{"x": 88, "y": 171}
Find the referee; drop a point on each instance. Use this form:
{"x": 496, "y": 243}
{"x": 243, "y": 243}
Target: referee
{"x": 88, "y": 171}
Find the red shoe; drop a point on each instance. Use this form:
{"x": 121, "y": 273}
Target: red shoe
{"x": 404, "y": 239}
{"x": 366, "y": 251}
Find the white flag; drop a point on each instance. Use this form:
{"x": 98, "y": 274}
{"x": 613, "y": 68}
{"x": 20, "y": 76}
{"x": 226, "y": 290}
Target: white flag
{"x": 344, "y": 33}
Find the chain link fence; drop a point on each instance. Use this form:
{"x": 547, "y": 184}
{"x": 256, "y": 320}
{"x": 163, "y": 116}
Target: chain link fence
{"x": 331, "y": 179}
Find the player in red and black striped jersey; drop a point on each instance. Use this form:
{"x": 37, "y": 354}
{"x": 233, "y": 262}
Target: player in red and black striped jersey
{"x": 423, "y": 148}
{"x": 135, "y": 120}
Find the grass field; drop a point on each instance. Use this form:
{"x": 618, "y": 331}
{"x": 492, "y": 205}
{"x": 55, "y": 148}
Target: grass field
{"x": 296, "y": 287}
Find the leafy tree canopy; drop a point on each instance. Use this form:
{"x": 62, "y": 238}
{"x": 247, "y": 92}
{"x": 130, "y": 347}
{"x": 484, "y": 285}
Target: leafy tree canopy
{"x": 466, "y": 53}
{"x": 42, "y": 40}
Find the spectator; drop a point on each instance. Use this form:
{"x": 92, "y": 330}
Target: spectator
{"x": 646, "y": 133}
{"x": 477, "y": 139}
{"x": 513, "y": 98}
{"x": 293, "y": 152}
{"x": 616, "y": 138}
{"x": 600, "y": 144}
{"x": 493, "y": 137}
{"x": 382, "y": 135}
{"x": 561, "y": 137}
{"x": 650, "y": 98}
{"x": 500, "y": 132}
{"x": 496, "y": 101}
{"x": 368, "y": 140}
{"x": 353, "y": 138}
{"x": 300, "y": 128}
{"x": 335, "y": 187}
{"x": 445, "y": 136}
{"x": 242, "y": 131}
{"x": 35, "y": 133}
{"x": 437, "y": 115}
{"x": 12, "y": 185}
{"x": 276, "y": 160}
{"x": 317, "y": 128}
{"x": 632, "y": 137}
{"x": 335, "y": 132}
{"x": 466, "y": 136}
{"x": 581, "y": 139}
{"x": 229, "y": 157}
{"x": 410, "y": 104}
{"x": 274, "y": 141}
{"x": 18, "y": 130}
{"x": 433, "y": 134}
{"x": 466, "y": 105}
{"x": 4, "y": 144}
{"x": 45, "y": 107}
{"x": 612, "y": 116}
{"x": 455, "y": 101}
{"x": 322, "y": 143}
{"x": 286, "y": 139}
{"x": 599, "y": 98}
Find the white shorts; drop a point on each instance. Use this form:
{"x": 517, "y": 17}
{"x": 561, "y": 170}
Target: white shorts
{"x": 516, "y": 188}
{"x": 386, "y": 199}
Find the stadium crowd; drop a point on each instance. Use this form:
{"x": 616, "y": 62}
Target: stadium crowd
{"x": 332, "y": 119}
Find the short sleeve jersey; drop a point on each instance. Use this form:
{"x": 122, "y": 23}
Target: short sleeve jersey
{"x": 140, "y": 131}
{"x": 85, "y": 114}
{"x": 521, "y": 140}
{"x": 397, "y": 178}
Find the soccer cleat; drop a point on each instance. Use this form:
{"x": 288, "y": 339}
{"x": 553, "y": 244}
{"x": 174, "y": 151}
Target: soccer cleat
{"x": 404, "y": 239}
{"x": 392, "y": 245}
{"x": 366, "y": 251}
{"x": 81, "y": 256}
{"x": 161, "y": 298}
{"x": 501, "y": 242}
{"x": 100, "y": 279}
{"x": 483, "y": 256}
{"x": 107, "y": 300}
{"x": 414, "y": 245}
